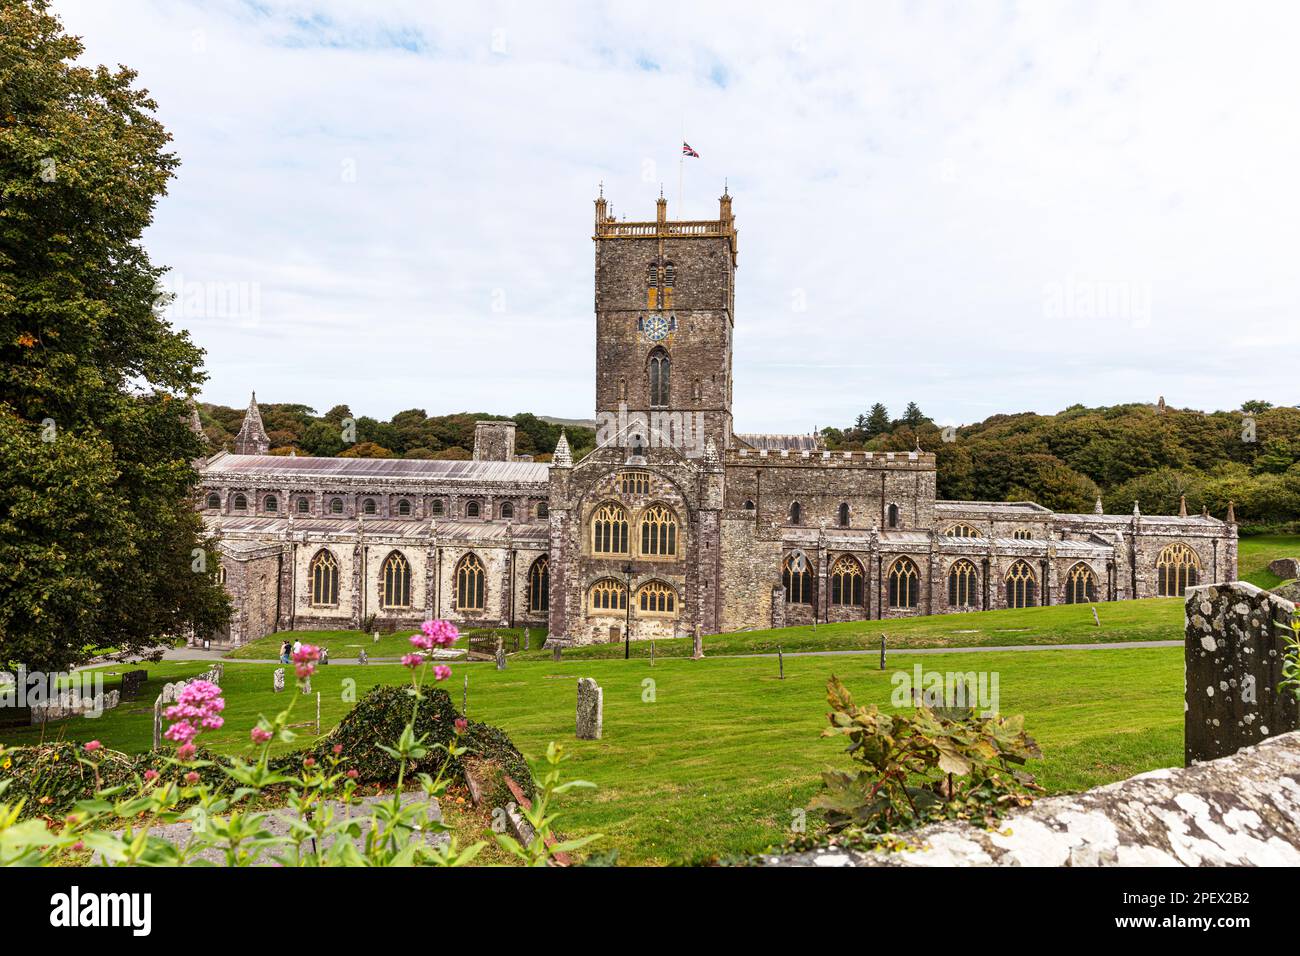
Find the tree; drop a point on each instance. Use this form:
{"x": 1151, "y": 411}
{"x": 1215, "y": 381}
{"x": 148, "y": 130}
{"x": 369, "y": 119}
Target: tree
{"x": 100, "y": 544}
{"x": 914, "y": 416}
{"x": 877, "y": 421}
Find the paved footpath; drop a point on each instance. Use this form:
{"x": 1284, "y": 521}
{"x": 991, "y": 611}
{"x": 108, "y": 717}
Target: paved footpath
{"x": 198, "y": 654}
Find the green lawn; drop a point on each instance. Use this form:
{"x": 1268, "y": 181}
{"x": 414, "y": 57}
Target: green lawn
{"x": 1254, "y": 555}
{"x": 347, "y": 644}
{"x": 1150, "y": 620}
{"x": 714, "y": 756}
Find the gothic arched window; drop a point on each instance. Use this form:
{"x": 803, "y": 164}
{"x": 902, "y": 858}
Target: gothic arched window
{"x": 609, "y": 530}
{"x": 368, "y": 506}
{"x": 472, "y": 509}
{"x": 507, "y": 510}
{"x": 963, "y": 584}
{"x": 843, "y": 516}
{"x": 796, "y": 512}
{"x": 336, "y": 506}
{"x": 652, "y": 285}
{"x": 656, "y": 598}
{"x": 469, "y": 583}
{"x": 214, "y": 500}
{"x": 1177, "y": 568}
{"x": 435, "y": 507}
{"x": 846, "y": 582}
{"x": 303, "y": 506}
{"x": 270, "y": 503}
{"x": 749, "y": 505}
{"x": 659, "y": 369}
{"x": 539, "y": 585}
{"x": 904, "y": 583}
{"x": 796, "y": 578}
{"x": 658, "y": 532}
{"x": 1022, "y": 534}
{"x": 543, "y": 510}
{"x": 324, "y": 579}
{"x": 397, "y": 581}
{"x": 892, "y": 516}
{"x": 608, "y": 595}
{"x": 404, "y": 508}
{"x": 962, "y": 531}
{"x": 240, "y": 503}
{"x": 1020, "y": 585}
{"x": 1080, "y": 585}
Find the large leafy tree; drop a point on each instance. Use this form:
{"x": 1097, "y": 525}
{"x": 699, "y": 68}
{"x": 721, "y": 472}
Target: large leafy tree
{"x": 100, "y": 545}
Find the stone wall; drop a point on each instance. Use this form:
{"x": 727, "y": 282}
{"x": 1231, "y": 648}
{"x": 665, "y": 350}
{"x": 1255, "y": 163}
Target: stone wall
{"x": 1242, "y": 810}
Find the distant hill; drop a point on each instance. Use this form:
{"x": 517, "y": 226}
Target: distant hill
{"x": 1152, "y": 454}
{"x": 408, "y": 434}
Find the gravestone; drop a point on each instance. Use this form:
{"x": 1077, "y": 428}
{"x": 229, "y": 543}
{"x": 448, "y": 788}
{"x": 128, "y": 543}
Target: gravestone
{"x": 1096, "y": 621}
{"x": 882, "y": 652}
{"x": 526, "y": 639}
{"x": 1233, "y": 654}
{"x": 697, "y": 645}
{"x": 555, "y": 653}
{"x": 157, "y": 722}
{"x": 1285, "y": 568}
{"x": 591, "y": 707}
{"x": 279, "y": 679}
{"x": 501, "y": 656}
{"x": 132, "y": 682}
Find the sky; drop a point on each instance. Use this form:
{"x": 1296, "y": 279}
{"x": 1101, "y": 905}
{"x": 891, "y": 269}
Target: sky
{"x": 981, "y": 207}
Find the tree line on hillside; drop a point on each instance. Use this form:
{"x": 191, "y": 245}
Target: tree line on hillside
{"x": 1152, "y": 454}
{"x": 297, "y": 429}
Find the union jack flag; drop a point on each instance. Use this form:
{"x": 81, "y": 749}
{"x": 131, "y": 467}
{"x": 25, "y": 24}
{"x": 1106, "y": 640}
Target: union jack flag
{"x": 687, "y": 151}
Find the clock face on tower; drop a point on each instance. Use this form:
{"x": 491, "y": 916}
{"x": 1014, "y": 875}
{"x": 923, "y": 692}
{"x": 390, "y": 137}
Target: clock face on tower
{"x": 656, "y": 328}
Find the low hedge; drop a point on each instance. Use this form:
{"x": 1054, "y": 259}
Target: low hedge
{"x": 52, "y": 779}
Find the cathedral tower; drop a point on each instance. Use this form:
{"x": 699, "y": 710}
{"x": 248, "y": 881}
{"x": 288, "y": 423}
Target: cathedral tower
{"x": 665, "y": 294}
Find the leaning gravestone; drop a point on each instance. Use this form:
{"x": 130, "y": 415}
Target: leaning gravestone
{"x": 591, "y": 706}
{"x": 279, "y": 679}
{"x": 132, "y": 682}
{"x": 1233, "y": 654}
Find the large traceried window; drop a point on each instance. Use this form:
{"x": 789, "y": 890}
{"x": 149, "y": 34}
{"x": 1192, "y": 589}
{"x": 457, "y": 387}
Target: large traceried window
{"x": 846, "y": 582}
{"x": 397, "y": 581}
{"x": 1177, "y": 568}
{"x": 659, "y": 369}
{"x": 539, "y": 585}
{"x": 904, "y": 583}
{"x": 608, "y": 595}
{"x": 324, "y": 579}
{"x": 658, "y": 532}
{"x": 962, "y": 531}
{"x": 1021, "y": 585}
{"x": 635, "y": 482}
{"x": 796, "y": 578}
{"x": 470, "y": 583}
{"x": 963, "y": 585}
{"x": 656, "y": 598}
{"x": 1080, "y": 585}
{"x": 609, "y": 530}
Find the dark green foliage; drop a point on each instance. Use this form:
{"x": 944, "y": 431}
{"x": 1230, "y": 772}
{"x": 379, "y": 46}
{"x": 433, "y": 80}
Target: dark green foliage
{"x": 1123, "y": 453}
{"x": 51, "y": 779}
{"x": 98, "y": 537}
{"x": 942, "y": 763}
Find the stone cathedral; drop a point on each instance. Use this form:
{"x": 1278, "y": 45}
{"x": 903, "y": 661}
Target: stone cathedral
{"x": 676, "y": 523}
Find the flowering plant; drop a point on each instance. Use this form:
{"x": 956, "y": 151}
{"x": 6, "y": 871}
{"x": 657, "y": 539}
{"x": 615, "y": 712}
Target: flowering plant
{"x": 324, "y": 822}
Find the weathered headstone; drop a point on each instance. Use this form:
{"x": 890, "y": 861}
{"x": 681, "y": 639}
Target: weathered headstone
{"x": 882, "y": 652}
{"x": 526, "y": 639}
{"x": 555, "y": 653}
{"x": 652, "y": 653}
{"x": 501, "y": 655}
{"x": 1096, "y": 621}
{"x": 780, "y": 662}
{"x": 157, "y": 722}
{"x": 697, "y": 645}
{"x": 278, "y": 679}
{"x": 1285, "y": 568}
{"x": 376, "y": 638}
{"x": 591, "y": 707}
{"x": 132, "y": 682}
{"x": 1233, "y": 655}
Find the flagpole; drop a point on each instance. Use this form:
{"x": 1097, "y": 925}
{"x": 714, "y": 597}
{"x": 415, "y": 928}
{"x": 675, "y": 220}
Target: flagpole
{"x": 681, "y": 168}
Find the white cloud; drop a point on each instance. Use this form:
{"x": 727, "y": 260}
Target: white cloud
{"x": 407, "y": 186}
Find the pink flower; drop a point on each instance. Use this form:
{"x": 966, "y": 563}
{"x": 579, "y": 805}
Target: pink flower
{"x": 305, "y": 659}
{"x": 338, "y": 749}
{"x": 352, "y": 774}
{"x": 150, "y": 776}
{"x": 412, "y": 660}
{"x": 422, "y": 642}
{"x": 185, "y": 751}
{"x": 309, "y": 762}
{"x": 441, "y": 672}
{"x": 260, "y": 735}
{"x": 441, "y": 633}
{"x": 192, "y": 777}
{"x": 461, "y": 724}
{"x": 92, "y": 745}
{"x": 198, "y": 707}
